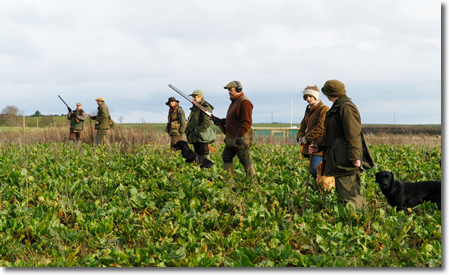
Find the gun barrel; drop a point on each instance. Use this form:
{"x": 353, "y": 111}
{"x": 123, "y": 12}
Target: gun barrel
{"x": 189, "y": 99}
{"x": 63, "y": 101}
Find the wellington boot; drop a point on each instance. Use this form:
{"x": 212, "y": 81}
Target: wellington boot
{"x": 250, "y": 171}
{"x": 229, "y": 167}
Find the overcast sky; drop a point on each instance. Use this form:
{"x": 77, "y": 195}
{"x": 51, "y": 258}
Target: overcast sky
{"x": 387, "y": 53}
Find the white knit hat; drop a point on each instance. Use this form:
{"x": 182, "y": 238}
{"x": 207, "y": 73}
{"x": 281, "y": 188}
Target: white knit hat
{"x": 308, "y": 91}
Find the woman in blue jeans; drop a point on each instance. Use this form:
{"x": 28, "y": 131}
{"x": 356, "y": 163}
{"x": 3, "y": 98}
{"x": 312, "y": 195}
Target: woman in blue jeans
{"x": 312, "y": 126}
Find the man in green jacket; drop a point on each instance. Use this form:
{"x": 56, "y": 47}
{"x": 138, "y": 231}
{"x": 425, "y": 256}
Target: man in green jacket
{"x": 199, "y": 131}
{"x": 342, "y": 143}
{"x": 101, "y": 121}
{"x": 176, "y": 124}
{"x": 76, "y": 118}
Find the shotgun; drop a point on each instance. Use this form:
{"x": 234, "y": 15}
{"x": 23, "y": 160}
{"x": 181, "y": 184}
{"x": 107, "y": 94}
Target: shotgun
{"x": 70, "y": 110}
{"x": 214, "y": 118}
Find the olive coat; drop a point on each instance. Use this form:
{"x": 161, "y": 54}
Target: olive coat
{"x": 312, "y": 126}
{"x": 198, "y": 121}
{"x": 177, "y": 123}
{"x": 341, "y": 141}
{"x": 102, "y": 117}
{"x": 76, "y": 126}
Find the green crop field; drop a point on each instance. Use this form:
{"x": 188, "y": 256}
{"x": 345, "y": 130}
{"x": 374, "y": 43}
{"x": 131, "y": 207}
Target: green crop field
{"x": 142, "y": 205}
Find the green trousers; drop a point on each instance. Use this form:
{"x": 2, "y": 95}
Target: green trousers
{"x": 100, "y": 138}
{"x": 244, "y": 155}
{"x": 348, "y": 187}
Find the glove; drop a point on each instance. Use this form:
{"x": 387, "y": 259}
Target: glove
{"x": 304, "y": 140}
{"x": 239, "y": 140}
{"x": 216, "y": 120}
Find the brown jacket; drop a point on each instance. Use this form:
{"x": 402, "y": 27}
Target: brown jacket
{"x": 312, "y": 126}
{"x": 239, "y": 117}
{"x": 341, "y": 142}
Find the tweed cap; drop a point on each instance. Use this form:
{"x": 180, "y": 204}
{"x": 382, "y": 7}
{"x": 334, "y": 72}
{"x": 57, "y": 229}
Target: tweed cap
{"x": 233, "y": 84}
{"x": 197, "y": 92}
{"x": 333, "y": 88}
{"x": 100, "y": 99}
{"x": 79, "y": 104}
{"x": 171, "y": 99}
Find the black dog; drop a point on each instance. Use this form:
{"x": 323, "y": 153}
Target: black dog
{"x": 190, "y": 155}
{"x": 405, "y": 195}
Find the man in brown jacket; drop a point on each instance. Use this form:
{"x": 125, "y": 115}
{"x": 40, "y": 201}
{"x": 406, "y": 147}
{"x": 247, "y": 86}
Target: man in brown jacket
{"x": 239, "y": 135}
{"x": 341, "y": 143}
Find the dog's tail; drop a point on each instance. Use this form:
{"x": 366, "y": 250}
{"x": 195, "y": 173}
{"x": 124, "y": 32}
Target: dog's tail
{"x": 211, "y": 148}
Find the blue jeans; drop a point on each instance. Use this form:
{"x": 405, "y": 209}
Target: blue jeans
{"x": 313, "y": 164}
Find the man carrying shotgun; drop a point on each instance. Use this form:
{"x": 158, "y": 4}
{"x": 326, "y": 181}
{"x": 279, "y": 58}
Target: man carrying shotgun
{"x": 76, "y": 118}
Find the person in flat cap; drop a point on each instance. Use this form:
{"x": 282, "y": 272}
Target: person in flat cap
{"x": 312, "y": 126}
{"x": 239, "y": 135}
{"x": 177, "y": 122}
{"x": 103, "y": 121}
{"x": 342, "y": 143}
{"x": 76, "y": 118}
{"x": 199, "y": 131}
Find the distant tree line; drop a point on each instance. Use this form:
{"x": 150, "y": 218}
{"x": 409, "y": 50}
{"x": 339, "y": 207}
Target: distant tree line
{"x": 12, "y": 116}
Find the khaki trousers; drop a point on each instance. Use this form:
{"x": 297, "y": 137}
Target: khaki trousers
{"x": 100, "y": 138}
{"x": 348, "y": 187}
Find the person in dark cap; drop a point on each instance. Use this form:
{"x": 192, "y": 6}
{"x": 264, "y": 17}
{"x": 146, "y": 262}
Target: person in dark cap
{"x": 239, "y": 135}
{"x": 177, "y": 123}
{"x": 199, "y": 131}
{"x": 341, "y": 143}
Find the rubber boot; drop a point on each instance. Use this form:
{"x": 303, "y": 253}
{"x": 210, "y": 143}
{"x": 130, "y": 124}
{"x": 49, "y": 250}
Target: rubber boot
{"x": 250, "y": 171}
{"x": 229, "y": 167}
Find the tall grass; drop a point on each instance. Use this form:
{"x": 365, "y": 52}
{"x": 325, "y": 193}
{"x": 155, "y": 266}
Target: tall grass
{"x": 147, "y": 134}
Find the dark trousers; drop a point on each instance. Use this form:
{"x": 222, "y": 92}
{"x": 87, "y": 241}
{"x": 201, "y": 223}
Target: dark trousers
{"x": 244, "y": 155}
{"x": 201, "y": 149}
{"x": 74, "y": 135}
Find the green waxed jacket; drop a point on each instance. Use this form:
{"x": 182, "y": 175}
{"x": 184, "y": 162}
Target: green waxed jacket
{"x": 75, "y": 125}
{"x": 102, "y": 117}
{"x": 341, "y": 141}
{"x": 199, "y": 123}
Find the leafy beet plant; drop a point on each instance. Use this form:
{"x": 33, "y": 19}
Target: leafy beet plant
{"x": 69, "y": 205}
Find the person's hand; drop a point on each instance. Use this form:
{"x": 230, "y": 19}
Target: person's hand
{"x": 313, "y": 148}
{"x": 239, "y": 140}
{"x": 357, "y": 163}
{"x": 216, "y": 120}
{"x": 97, "y": 122}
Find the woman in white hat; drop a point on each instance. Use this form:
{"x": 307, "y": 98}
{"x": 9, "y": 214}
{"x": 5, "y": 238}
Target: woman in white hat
{"x": 312, "y": 126}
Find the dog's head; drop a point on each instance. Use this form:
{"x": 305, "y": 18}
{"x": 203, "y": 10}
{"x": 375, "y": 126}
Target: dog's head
{"x": 179, "y": 145}
{"x": 385, "y": 179}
